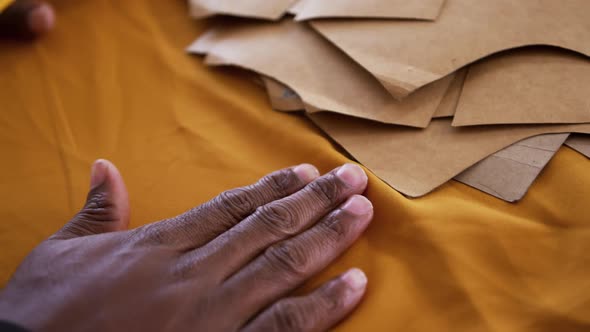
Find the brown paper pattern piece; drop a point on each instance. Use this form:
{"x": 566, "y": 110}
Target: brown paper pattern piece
{"x": 414, "y": 9}
{"x": 533, "y": 85}
{"x": 417, "y": 161}
{"x": 282, "y": 98}
{"x": 510, "y": 172}
{"x": 406, "y": 55}
{"x": 507, "y": 174}
{"x": 318, "y": 72}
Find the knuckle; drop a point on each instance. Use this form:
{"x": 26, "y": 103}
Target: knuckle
{"x": 98, "y": 208}
{"x": 326, "y": 190}
{"x": 184, "y": 269}
{"x": 287, "y": 258}
{"x": 333, "y": 228}
{"x": 280, "y": 182}
{"x": 331, "y": 297}
{"x": 289, "y": 316}
{"x": 152, "y": 234}
{"x": 278, "y": 218}
{"x": 195, "y": 220}
{"x": 238, "y": 203}
{"x": 80, "y": 228}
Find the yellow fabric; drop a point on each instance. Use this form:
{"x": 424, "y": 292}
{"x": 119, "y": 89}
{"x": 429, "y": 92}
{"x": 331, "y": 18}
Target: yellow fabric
{"x": 4, "y": 4}
{"x": 113, "y": 81}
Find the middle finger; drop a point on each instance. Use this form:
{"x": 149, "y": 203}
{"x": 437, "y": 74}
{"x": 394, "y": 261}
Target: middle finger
{"x": 279, "y": 220}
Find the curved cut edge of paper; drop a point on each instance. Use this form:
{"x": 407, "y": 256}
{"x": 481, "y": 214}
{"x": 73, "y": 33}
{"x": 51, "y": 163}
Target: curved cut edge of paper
{"x": 410, "y": 79}
{"x": 214, "y": 59}
{"x": 200, "y": 9}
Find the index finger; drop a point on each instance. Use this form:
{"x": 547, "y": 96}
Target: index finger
{"x": 202, "y": 224}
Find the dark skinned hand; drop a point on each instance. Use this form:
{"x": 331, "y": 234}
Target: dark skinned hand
{"x": 230, "y": 264}
{"x": 26, "y": 19}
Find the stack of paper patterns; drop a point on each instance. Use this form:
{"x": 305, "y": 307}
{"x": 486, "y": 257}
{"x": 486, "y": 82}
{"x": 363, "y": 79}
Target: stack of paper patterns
{"x": 421, "y": 91}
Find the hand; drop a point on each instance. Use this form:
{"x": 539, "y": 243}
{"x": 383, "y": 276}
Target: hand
{"x": 226, "y": 265}
{"x": 26, "y": 19}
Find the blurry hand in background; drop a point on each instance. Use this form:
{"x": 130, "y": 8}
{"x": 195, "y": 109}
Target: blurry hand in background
{"x": 26, "y": 19}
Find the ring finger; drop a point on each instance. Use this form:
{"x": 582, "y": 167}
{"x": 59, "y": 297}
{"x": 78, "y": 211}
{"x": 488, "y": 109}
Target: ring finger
{"x": 286, "y": 265}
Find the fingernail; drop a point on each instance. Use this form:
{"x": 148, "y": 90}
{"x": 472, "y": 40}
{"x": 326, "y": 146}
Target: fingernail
{"x": 306, "y": 172}
{"x": 98, "y": 174}
{"x": 41, "y": 19}
{"x": 352, "y": 175}
{"x": 358, "y": 205}
{"x": 356, "y": 279}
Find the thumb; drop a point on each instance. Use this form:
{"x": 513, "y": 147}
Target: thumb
{"x": 107, "y": 204}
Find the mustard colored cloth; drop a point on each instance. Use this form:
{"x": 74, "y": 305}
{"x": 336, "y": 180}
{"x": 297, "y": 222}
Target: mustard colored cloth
{"x": 4, "y": 4}
{"x": 113, "y": 81}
